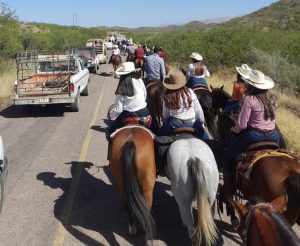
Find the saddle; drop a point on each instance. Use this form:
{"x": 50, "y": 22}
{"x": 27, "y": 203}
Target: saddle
{"x": 162, "y": 144}
{"x": 144, "y": 121}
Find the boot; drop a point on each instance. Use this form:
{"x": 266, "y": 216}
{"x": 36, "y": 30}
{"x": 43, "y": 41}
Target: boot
{"x": 228, "y": 193}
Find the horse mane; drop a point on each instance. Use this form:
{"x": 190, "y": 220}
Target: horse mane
{"x": 220, "y": 97}
{"x": 284, "y": 229}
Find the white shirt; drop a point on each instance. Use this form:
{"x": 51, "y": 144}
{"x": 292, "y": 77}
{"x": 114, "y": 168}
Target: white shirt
{"x": 191, "y": 72}
{"x": 116, "y": 51}
{"x": 131, "y": 104}
{"x": 193, "y": 112}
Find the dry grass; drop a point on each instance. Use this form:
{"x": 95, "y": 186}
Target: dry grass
{"x": 7, "y": 80}
{"x": 288, "y": 114}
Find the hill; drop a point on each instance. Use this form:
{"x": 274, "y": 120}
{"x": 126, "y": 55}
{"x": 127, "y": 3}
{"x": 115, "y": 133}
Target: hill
{"x": 283, "y": 15}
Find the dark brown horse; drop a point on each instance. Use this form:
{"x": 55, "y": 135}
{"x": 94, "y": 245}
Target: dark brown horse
{"x": 116, "y": 61}
{"x": 261, "y": 226}
{"x": 130, "y": 57}
{"x": 132, "y": 163}
{"x": 139, "y": 63}
{"x": 274, "y": 175}
{"x": 154, "y": 99}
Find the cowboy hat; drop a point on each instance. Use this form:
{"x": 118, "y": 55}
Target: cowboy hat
{"x": 174, "y": 80}
{"x": 244, "y": 70}
{"x": 126, "y": 68}
{"x": 196, "y": 56}
{"x": 257, "y": 79}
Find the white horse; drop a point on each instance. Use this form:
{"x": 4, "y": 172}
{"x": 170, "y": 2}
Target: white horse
{"x": 194, "y": 176}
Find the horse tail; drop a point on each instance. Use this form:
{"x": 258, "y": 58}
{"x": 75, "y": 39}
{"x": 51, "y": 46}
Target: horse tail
{"x": 133, "y": 198}
{"x": 206, "y": 226}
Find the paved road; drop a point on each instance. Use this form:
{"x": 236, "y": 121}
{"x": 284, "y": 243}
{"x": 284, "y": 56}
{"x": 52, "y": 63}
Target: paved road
{"x": 59, "y": 190}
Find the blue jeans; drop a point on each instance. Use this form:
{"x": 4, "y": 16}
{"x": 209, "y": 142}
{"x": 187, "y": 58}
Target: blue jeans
{"x": 193, "y": 81}
{"x": 241, "y": 142}
{"x": 118, "y": 123}
{"x": 167, "y": 128}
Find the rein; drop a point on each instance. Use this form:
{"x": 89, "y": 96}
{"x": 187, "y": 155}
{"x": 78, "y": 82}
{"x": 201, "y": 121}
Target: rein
{"x": 248, "y": 218}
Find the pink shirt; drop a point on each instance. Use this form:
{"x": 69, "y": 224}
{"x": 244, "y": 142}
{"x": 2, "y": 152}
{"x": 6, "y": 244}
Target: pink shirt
{"x": 252, "y": 114}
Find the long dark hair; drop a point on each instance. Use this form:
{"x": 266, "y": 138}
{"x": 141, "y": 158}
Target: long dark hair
{"x": 125, "y": 86}
{"x": 172, "y": 98}
{"x": 266, "y": 98}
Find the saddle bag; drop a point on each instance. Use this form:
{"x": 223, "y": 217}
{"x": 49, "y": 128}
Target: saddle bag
{"x": 161, "y": 146}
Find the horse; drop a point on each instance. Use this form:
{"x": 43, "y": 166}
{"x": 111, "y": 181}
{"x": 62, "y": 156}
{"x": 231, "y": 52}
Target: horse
{"x": 130, "y": 58}
{"x": 116, "y": 60}
{"x": 261, "y": 226}
{"x": 154, "y": 99}
{"x": 132, "y": 163}
{"x": 193, "y": 173}
{"x": 273, "y": 173}
{"x": 139, "y": 63}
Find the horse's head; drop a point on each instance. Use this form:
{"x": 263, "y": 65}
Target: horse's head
{"x": 261, "y": 225}
{"x": 220, "y": 98}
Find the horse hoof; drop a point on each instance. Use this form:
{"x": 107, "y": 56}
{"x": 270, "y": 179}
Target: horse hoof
{"x": 132, "y": 229}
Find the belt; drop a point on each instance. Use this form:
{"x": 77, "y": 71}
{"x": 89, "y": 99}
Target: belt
{"x": 259, "y": 130}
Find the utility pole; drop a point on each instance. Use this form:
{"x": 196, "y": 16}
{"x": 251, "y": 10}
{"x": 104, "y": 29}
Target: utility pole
{"x": 75, "y": 23}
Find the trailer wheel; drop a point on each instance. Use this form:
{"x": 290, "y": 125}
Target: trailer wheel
{"x": 75, "y": 105}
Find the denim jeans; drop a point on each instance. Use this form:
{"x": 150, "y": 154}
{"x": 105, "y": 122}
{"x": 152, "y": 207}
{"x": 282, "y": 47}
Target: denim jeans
{"x": 193, "y": 81}
{"x": 241, "y": 142}
{"x": 118, "y": 123}
{"x": 167, "y": 128}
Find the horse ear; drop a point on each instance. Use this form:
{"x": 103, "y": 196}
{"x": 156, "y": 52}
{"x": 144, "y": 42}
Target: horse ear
{"x": 239, "y": 207}
{"x": 222, "y": 87}
{"x": 212, "y": 88}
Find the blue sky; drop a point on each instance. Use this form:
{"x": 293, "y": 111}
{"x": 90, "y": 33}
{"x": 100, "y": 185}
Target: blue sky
{"x": 131, "y": 13}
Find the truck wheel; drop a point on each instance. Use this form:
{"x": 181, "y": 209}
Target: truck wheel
{"x": 85, "y": 92}
{"x": 1, "y": 191}
{"x": 75, "y": 105}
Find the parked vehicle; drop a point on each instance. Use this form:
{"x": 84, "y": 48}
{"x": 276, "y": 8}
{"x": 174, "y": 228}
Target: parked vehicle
{"x": 3, "y": 172}
{"x": 89, "y": 57}
{"x": 50, "y": 79}
{"x": 98, "y": 44}
{"x": 108, "y": 45}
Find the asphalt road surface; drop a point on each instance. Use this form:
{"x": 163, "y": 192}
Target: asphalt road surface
{"x": 59, "y": 190}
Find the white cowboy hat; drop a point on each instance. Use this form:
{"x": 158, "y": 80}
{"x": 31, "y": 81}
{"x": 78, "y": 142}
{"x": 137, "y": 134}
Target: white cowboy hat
{"x": 196, "y": 56}
{"x": 257, "y": 79}
{"x": 174, "y": 80}
{"x": 126, "y": 68}
{"x": 244, "y": 70}
{"x": 116, "y": 46}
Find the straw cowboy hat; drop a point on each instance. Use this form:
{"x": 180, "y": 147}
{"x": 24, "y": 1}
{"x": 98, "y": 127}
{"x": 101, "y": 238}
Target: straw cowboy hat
{"x": 244, "y": 70}
{"x": 257, "y": 79}
{"x": 196, "y": 56}
{"x": 126, "y": 68}
{"x": 174, "y": 80}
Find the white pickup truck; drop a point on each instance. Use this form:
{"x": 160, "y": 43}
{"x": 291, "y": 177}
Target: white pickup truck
{"x": 50, "y": 79}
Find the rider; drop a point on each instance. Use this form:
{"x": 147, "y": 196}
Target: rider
{"x": 115, "y": 51}
{"x": 256, "y": 122}
{"x": 181, "y": 107}
{"x": 238, "y": 91}
{"x": 196, "y": 71}
{"x": 139, "y": 52}
{"x": 154, "y": 67}
{"x": 130, "y": 98}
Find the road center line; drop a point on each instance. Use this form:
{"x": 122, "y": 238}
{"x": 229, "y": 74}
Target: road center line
{"x": 66, "y": 212}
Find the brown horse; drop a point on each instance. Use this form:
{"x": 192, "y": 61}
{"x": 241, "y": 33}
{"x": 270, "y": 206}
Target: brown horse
{"x": 272, "y": 174}
{"x": 130, "y": 57}
{"x": 116, "y": 60}
{"x": 154, "y": 99}
{"x": 261, "y": 226}
{"x": 132, "y": 163}
{"x": 139, "y": 63}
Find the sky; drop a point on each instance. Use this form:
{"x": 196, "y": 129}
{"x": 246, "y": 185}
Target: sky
{"x": 130, "y": 13}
